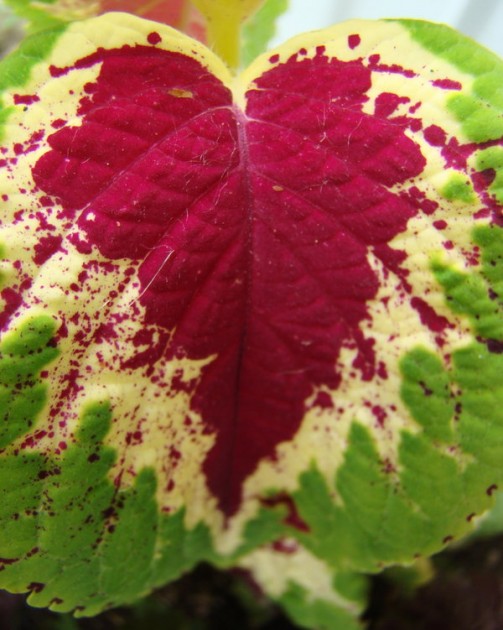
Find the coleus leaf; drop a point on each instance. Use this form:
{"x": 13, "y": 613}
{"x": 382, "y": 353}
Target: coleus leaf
{"x": 256, "y": 320}
{"x": 43, "y": 14}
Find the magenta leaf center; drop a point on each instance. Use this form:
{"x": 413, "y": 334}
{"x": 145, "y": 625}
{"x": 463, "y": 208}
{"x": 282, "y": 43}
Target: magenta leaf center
{"x": 252, "y": 229}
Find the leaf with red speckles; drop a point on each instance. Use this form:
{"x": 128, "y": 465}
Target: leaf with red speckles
{"x": 251, "y": 320}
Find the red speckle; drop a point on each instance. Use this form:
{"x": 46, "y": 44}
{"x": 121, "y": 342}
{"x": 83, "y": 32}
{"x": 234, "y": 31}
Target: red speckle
{"x": 174, "y": 454}
{"x": 420, "y": 201}
{"x": 25, "y": 99}
{"x": 380, "y": 415}
{"x": 13, "y": 301}
{"x": 323, "y": 400}
{"x": 426, "y": 390}
{"x": 354, "y": 41}
{"x": 286, "y": 546}
{"x": 292, "y": 518}
{"x": 448, "y": 245}
{"x": 30, "y": 145}
{"x": 376, "y": 66}
{"x": 428, "y": 316}
{"x": 45, "y": 201}
{"x": 109, "y": 512}
{"x": 154, "y": 38}
{"x": 46, "y": 247}
{"x": 365, "y": 360}
{"x": 440, "y": 225}
{"x": 104, "y": 332}
{"x": 57, "y": 72}
{"x": 482, "y": 214}
{"x": 495, "y": 346}
{"x": 456, "y": 154}
{"x": 483, "y": 179}
{"x": 274, "y": 59}
{"x": 150, "y": 356}
{"x": 81, "y": 246}
{"x": 90, "y": 88}
{"x": 435, "y": 136}
{"x": 472, "y": 256}
{"x": 382, "y": 372}
{"x": 491, "y": 490}
{"x": 58, "y": 123}
{"x": 8, "y": 561}
{"x": 387, "y": 103}
{"x": 447, "y": 540}
{"x": 134, "y": 437}
{"x": 388, "y": 467}
{"x": 143, "y": 337}
{"x": 447, "y": 84}
{"x": 35, "y": 587}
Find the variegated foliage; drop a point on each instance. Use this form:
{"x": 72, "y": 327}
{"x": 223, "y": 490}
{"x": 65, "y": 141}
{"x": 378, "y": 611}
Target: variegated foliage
{"x": 252, "y": 320}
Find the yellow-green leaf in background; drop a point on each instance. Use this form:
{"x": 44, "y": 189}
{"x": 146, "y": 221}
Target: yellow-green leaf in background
{"x": 234, "y": 29}
{"x": 224, "y": 21}
{"x": 43, "y": 14}
{"x": 260, "y": 29}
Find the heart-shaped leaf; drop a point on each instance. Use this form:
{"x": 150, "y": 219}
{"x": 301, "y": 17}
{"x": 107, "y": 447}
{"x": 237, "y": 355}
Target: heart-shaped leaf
{"x": 254, "y": 321}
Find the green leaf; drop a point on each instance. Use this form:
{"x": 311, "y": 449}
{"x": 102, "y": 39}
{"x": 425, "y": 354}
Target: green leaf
{"x": 260, "y": 29}
{"x": 38, "y": 15}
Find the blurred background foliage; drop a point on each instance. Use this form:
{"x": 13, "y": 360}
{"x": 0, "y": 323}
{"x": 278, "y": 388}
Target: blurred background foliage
{"x": 458, "y": 589}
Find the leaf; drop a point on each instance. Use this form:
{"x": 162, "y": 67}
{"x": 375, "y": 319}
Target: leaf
{"x": 181, "y": 14}
{"x": 224, "y": 20}
{"x": 9, "y": 30}
{"x": 40, "y": 16}
{"x": 260, "y": 29}
{"x": 255, "y": 321}
{"x": 43, "y": 14}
